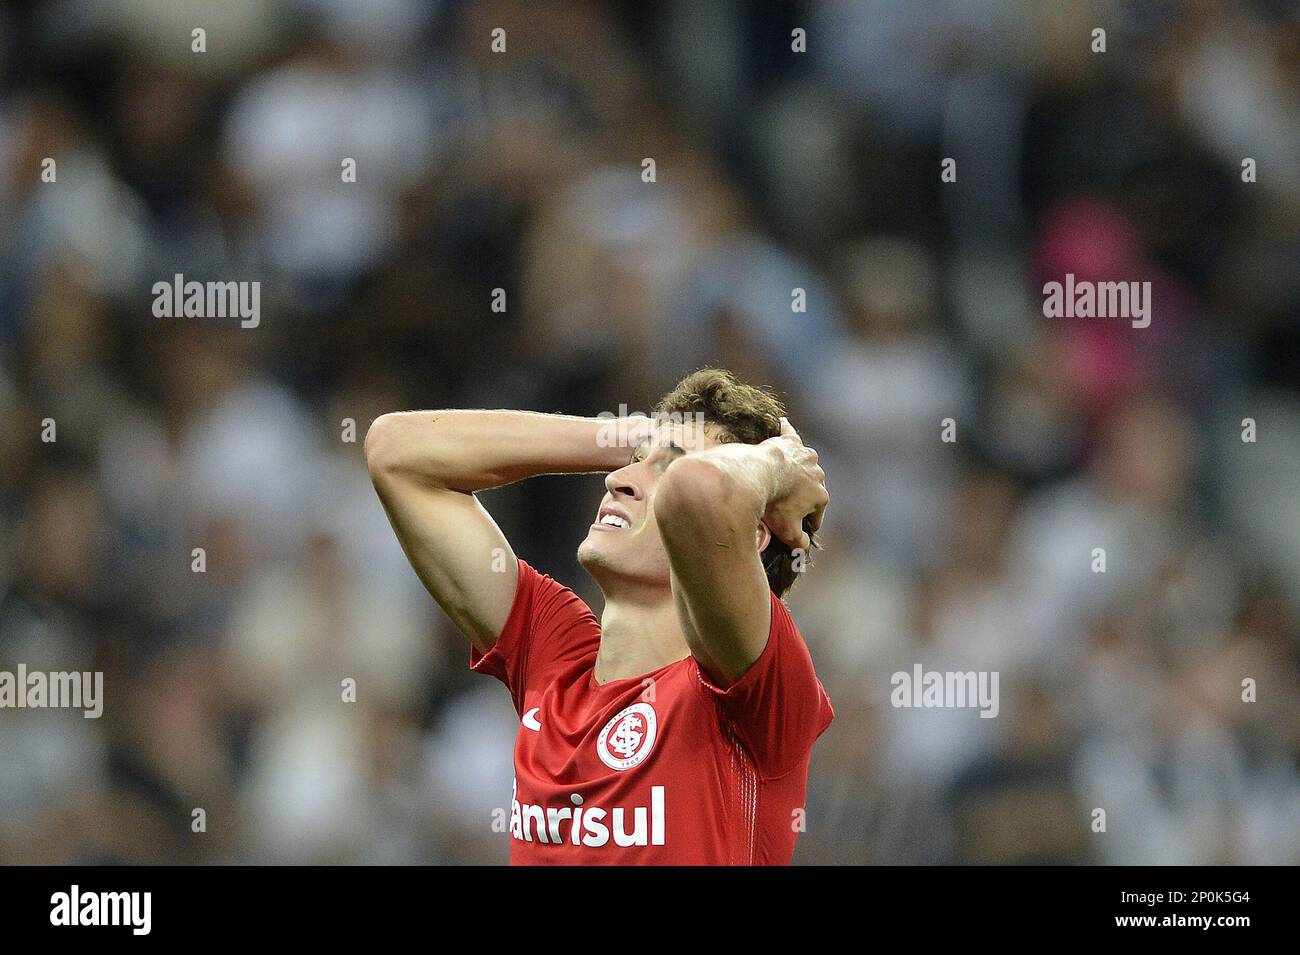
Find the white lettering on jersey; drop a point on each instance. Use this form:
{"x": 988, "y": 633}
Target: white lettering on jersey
{"x": 592, "y": 826}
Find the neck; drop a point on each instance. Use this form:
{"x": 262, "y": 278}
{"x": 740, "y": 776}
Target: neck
{"x": 639, "y": 633}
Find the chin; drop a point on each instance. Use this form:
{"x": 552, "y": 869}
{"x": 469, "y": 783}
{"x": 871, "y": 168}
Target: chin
{"x": 597, "y": 558}
{"x": 591, "y": 555}
{"x": 615, "y": 572}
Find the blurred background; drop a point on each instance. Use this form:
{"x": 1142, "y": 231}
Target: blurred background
{"x": 775, "y": 170}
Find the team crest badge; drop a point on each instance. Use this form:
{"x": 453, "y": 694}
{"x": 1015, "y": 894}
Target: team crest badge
{"x": 628, "y": 738}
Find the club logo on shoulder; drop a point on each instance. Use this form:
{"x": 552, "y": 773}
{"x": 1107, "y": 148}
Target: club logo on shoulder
{"x": 628, "y": 738}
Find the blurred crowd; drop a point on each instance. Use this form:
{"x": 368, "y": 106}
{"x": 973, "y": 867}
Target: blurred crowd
{"x": 774, "y": 171}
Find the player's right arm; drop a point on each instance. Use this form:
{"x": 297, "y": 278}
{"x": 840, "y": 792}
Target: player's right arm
{"x": 427, "y": 466}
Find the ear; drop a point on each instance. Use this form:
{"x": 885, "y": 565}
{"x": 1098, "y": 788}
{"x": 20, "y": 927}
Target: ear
{"x": 764, "y": 536}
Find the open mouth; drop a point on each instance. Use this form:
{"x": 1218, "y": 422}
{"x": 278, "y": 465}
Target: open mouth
{"x": 612, "y": 518}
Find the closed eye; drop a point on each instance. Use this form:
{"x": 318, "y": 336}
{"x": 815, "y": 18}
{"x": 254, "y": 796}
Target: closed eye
{"x": 671, "y": 450}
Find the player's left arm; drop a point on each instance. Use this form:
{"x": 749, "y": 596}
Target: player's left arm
{"x": 716, "y": 511}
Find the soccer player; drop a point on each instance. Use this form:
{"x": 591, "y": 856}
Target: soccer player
{"x": 676, "y": 728}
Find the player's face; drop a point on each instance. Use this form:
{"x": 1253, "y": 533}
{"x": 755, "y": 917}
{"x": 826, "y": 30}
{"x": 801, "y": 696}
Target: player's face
{"x": 623, "y": 544}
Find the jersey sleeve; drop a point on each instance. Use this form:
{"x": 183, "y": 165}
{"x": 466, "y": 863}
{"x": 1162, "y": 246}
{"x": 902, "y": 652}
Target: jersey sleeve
{"x": 549, "y": 627}
{"x": 778, "y": 708}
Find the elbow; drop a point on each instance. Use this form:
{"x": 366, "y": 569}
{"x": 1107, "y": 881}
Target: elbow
{"x": 381, "y": 446}
{"x": 408, "y": 445}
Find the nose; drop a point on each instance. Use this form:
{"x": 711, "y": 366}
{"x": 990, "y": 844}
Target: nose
{"x": 623, "y": 483}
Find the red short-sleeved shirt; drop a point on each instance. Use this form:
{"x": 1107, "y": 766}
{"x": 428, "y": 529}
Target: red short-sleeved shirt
{"x": 666, "y": 768}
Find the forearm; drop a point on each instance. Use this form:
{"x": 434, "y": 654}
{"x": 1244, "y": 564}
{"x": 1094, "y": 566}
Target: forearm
{"x": 708, "y": 507}
{"x": 473, "y": 450}
{"x": 729, "y": 485}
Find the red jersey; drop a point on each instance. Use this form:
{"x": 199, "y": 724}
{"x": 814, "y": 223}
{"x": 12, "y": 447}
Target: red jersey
{"x": 666, "y": 768}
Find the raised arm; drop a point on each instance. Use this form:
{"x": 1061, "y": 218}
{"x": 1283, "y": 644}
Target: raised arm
{"x": 716, "y": 510}
{"x": 427, "y": 466}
